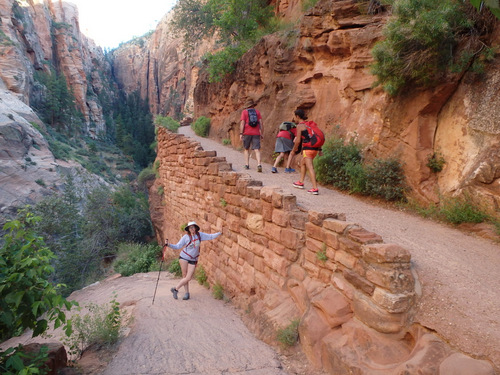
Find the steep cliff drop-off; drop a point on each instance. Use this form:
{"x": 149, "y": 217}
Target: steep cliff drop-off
{"x": 43, "y": 37}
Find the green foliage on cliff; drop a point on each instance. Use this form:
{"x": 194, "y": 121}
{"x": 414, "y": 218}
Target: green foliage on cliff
{"x": 493, "y": 5}
{"x": 56, "y": 103}
{"x": 167, "y": 122}
{"x": 201, "y": 126}
{"x": 238, "y": 24}
{"x": 426, "y": 39}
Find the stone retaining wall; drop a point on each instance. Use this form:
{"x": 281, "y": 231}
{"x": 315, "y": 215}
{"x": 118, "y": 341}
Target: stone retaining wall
{"x": 280, "y": 262}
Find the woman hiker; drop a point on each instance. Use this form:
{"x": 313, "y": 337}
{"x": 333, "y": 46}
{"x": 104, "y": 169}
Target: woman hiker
{"x": 188, "y": 257}
{"x": 284, "y": 144}
{"x": 312, "y": 139}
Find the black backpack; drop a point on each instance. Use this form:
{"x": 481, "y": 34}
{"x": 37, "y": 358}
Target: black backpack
{"x": 253, "y": 120}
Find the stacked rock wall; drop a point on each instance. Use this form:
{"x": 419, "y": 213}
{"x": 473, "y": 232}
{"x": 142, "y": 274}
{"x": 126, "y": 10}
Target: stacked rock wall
{"x": 282, "y": 263}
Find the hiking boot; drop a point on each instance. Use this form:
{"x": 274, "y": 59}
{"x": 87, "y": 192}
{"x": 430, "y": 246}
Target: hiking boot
{"x": 313, "y": 191}
{"x": 274, "y": 170}
{"x": 186, "y": 296}
{"x": 259, "y": 168}
{"x": 246, "y": 167}
{"x": 174, "y": 292}
{"x": 289, "y": 170}
{"x": 298, "y": 185}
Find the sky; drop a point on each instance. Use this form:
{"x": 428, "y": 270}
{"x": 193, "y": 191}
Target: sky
{"x": 110, "y": 22}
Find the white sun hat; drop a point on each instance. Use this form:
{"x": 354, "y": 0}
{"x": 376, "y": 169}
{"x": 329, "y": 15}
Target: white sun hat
{"x": 192, "y": 223}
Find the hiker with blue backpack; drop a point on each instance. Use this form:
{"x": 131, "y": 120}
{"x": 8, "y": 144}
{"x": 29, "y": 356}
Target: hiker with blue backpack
{"x": 284, "y": 144}
{"x": 251, "y": 132}
{"x": 188, "y": 258}
{"x": 311, "y": 138}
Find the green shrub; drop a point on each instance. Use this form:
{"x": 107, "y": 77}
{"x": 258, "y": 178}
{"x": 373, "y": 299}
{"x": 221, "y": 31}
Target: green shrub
{"x": 201, "y": 126}
{"x": 99, "y": 327}
{"x": 201, "y": 276}
{"x": 385, "y": 179}
{"x": 462, "y": 210}
{"x": 167, "y": 122}
{"x": 28, "y": 300}
{"x": 321, "y": 255}
{"x": 226, "y": 141}
{"x": 40, "y": 182}
{"x": 223, "y": 62}
{"x": 289, "y": 335}
{"x": 419, "y": 44}
{"x": 357, "y": 176}
{"x": 156, "y": 168}
{"x": 175, "y": 268}
{"x": 436, "y": 162}
{"x": 331, "y": 166}
{"x": 145, "y": 175}
{"x": 136, "y": 258}
{"x": 218, "y": 291}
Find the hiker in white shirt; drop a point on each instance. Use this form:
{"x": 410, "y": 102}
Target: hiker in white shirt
{"x": 188, "y": 258}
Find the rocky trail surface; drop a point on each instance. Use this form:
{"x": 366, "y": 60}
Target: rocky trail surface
{"x": 458, "y": 276}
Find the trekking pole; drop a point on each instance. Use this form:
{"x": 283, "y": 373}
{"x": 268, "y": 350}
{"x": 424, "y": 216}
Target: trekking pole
{"x": 158, "y": 279}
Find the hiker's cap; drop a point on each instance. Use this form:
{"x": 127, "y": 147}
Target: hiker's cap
{"x": 192, "y": 223}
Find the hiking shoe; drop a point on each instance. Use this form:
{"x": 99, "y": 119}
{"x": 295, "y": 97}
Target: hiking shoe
{"x": 274, "y": 170}
{"x": 186, "y": 296}
{"x": 246, "y": 167}
{"x": 174, "y": 292}
{"x": 313, "y": 191}
{"x": 259, "y": 168}
{"x": 298, "y": 185}
{"x": 289, "y": 170}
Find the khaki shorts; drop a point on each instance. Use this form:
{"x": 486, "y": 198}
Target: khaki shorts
{"x": 251, "y": 140}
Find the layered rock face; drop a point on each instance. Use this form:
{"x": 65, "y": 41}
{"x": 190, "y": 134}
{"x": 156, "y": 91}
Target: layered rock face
{"x": 36, "y": 36}
{"x": 158, "y": 67}
{"x": 325, "y": 68}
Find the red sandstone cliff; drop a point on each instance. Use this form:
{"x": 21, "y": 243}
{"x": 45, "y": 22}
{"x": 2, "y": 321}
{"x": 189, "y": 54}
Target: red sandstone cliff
{"x": 324, "y": 67}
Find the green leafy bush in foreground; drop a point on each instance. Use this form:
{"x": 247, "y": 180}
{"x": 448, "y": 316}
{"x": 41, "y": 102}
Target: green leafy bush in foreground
{"x": 27, "y": 299}
{"x": 100, "y": 326}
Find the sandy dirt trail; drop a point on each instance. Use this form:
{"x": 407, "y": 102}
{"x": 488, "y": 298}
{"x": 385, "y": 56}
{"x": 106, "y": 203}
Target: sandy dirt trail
{"x": 459, "y": 274}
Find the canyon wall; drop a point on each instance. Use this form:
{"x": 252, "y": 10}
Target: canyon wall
{"x": 44, "y": 36}
{"x": 323, "y": 66}
{"x": 352, "y": 294}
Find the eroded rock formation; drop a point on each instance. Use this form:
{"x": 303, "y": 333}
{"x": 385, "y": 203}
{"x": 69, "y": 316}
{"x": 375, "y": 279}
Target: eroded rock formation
{"x": 324, "y": 66}
{"x": 43, "y": 36}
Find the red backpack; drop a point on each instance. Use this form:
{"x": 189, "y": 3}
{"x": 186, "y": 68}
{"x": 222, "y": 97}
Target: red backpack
{"x": 315, "y": 137}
